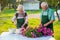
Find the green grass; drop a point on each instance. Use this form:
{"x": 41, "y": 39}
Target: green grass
{"x": 10, "y": 11}
{"x": 5, "y": 22}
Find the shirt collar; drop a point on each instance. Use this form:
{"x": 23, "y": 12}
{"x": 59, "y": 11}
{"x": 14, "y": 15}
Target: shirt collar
{"x": 46, "y": 10}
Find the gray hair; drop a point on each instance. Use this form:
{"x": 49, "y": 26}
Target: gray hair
{"x": 44, "y": 4}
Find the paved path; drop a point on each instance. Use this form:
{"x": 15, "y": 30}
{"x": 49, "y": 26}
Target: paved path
{"x": 34, "y": 16}
{"x": 38, "y": 16}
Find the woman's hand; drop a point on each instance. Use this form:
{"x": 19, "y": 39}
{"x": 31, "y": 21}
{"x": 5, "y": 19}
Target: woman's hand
{"x": 22, "y": 26}
{"x": 15, "y": 23}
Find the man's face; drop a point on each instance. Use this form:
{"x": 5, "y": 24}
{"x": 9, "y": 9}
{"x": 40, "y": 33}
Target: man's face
{"x": 44, "y": 7}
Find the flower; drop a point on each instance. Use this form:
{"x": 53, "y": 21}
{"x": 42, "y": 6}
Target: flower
{"x": 22, "y": 31}
{"x": 49, "y": 32}
{"x": 44, "y": 29}
{"x": 33, "y": 35}
{"x": 40, "y": 26}
{"x": 39, "y": 30}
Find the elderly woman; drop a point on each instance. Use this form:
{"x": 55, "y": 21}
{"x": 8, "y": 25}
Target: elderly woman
{"x": 20, "y": 17}
{"x": 47, "y": 16}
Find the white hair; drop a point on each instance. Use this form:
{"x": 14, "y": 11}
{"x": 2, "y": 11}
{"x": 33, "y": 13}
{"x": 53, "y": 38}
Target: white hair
{"x": 20, "y": 6}
{"x": 44, "y": 4}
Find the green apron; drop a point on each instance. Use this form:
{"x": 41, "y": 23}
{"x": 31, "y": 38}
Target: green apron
{"x": 45, "y": 19}
{"x": 20, "y": 22}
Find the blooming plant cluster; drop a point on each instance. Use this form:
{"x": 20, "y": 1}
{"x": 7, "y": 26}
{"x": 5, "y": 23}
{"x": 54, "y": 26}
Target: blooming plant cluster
{"x": 39, "y": 32}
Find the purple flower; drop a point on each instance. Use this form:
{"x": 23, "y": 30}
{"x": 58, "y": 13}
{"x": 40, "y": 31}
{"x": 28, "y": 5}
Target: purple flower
{"x": 22, "y": 29}
{"x": 39, "y": 30}
{"x": 49, "y": 32}
{"x": 40, "y": 26}
{"x": 44, "y": 30}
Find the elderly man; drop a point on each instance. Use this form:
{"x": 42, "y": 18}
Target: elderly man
{"x": 47, "y": 16}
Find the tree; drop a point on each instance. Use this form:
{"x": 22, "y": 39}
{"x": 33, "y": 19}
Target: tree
{"x": 3, "y": 3}
{"x": 13, "y": 2}
{"x": 21, "y": 2}
{"x": 51, "y": 3}
{"x": 58, "y": 7}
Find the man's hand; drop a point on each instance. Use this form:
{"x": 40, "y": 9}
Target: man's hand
{"x": 48, "y": 23}
{"x": 45, "y": 25}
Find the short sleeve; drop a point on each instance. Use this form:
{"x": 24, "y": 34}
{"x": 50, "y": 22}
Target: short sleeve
{"x": 14, "y": 18}
{"x": 40, "y": 16}
{"x": 52, "y": 15}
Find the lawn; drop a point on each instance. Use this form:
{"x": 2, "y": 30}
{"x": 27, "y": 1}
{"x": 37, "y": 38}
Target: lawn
{"x": 5, "y": 22}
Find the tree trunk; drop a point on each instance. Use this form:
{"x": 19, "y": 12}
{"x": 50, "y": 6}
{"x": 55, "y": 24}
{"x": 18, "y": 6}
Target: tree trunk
{"x": 58, "y": 8}
{"x": 0, "y": 7}
{"x": 57, "y": 15}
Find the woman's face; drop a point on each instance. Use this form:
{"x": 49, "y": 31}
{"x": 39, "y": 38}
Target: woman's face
{"x": 21, "y": 10}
